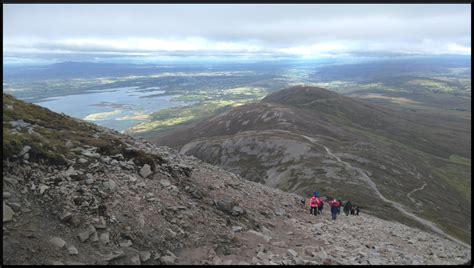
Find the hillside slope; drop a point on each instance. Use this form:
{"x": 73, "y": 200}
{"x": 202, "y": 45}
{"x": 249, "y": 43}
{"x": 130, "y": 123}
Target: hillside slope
{"x": 76, "y": 193}
{"x": 397, "y": 165}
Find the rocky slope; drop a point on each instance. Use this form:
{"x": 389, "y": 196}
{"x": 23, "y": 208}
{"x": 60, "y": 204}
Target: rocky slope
{"x": 400, "y": 166}
{"x": 76, "y": 193}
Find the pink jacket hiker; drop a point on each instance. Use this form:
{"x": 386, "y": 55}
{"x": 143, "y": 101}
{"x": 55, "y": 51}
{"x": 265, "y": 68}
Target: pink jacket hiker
{"x": 314, "y": 202}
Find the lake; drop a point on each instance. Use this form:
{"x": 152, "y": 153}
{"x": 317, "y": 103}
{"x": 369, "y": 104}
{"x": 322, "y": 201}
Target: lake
{"x": 117, "y": 108}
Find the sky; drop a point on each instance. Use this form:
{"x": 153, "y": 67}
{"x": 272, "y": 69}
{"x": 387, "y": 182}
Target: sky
{"x": 35, "y": 33}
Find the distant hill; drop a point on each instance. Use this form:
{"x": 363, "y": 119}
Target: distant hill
{"x": 69, "y": 70}
{"x": 303, "y": 139}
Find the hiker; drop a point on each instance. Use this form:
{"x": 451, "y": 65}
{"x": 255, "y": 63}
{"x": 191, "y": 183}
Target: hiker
{"x": 334, "y": 208}
{"x": 357, "y": 210}
{"x": 313, "y": 204}
{"x": 353, "y": 210}
{"x": 320, "y": 206}
{"x": 347, "y": 207}
{"x": 339, "y": 206}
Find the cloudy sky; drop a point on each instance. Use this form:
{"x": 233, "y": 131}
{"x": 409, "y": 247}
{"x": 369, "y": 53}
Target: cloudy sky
{"x": 34, "y": 32}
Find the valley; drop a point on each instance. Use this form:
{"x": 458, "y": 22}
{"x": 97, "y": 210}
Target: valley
{"x": 403, "y": 127}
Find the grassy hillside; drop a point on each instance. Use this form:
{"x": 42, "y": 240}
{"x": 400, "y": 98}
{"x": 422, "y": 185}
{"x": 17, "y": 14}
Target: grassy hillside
{"x": 271, "y": 142}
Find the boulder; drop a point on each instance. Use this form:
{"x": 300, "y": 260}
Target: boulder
{"x": 86, "y": 234}
{"x": 113, "y": 255}
{"x": 58, "y": 242}
{"x": 126, "y": 243}
{"x": 65, "y": 216}
{"x": 6, "y": 195}
{"x": 72, "y": 250}
{"x": 226, "y": 204}
{"x": 280, "y": 211}
{"x": 237, "y": 211}
{"x": 110, "y": 185}
{"x": 292, "y": 253}
{"x": 167, "y": 260}
{"x": 145, "y": 171}
{"x": 165, "y": 183}
{"x": 104, "y": 238}
{"x": 7, "y": 213}
{"x": 144, "y": 255}
{"x": 25, "y": 150}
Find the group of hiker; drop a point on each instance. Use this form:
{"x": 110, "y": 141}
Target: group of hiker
{"x": 316, "y": 205}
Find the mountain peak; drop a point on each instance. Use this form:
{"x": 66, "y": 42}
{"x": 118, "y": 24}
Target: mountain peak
{"x": 298, "y": 95}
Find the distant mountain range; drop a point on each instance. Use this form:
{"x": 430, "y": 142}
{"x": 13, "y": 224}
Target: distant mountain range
{"x": 400, "y": 165}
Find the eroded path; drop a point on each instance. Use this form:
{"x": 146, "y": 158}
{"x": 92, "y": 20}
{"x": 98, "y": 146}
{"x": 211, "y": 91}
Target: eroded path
{"x": 396, "y": 205}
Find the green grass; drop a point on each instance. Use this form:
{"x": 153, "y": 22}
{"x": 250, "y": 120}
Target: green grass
{"x": 209, "y": 103}
{"x": 52, "y": 131}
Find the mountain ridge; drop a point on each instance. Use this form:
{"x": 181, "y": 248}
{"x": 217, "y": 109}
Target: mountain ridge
{"x": 391, "y": 147}
{"x": 76, "y": 193}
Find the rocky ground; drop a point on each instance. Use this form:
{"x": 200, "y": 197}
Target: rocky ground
{"x": 101, "y": 208}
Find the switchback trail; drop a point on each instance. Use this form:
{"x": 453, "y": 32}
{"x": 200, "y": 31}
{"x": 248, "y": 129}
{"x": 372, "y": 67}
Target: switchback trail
{"x": 396, "y": 205}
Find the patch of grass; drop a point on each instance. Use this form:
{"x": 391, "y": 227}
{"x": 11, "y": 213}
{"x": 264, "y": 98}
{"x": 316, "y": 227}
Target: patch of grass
{"x": 51, "y": 131}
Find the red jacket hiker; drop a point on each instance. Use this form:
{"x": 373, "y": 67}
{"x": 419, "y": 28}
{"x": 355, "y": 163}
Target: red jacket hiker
{"x": 314, "y": 202}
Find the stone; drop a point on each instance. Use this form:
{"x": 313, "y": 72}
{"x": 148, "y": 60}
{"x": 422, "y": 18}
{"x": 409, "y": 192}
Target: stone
{"x": 226, "y": 204}
{"x": 113, "y": 255}
{"x": 167, "y": 260}
{"x": 265, "y": 237}
{"x": 72, "y": 250}
{"x": 280, "y": 211}
{"x": 135, "y": 260}
{"x": 144, "y": 255}
{"x": 65, "y": 216}
{"x": 291, "y": 252}
{"x": 145, "y": 171}
{"x": 104, "y": 238}
{"x": 243, "y": 263}
{"x": 227, "y": 262}
{"x": 25, "y": 150}
{"x": 165, "y": 183}
{"x": 43, "y": 188}
{"x": 86, "y": 234}
{"x": 110, "y": 185}
{"x": 10, "y": 180}
{"x": 236, "y": 229}
{"x": 6, "y": 195}
{"x": 236, "y": 211}
{"x": 82, "y": 160}
{"x": 58, "y": 242}
{"x": 7, "y": 213}
{"x": 280, "y": 244}
{"x": 94, "y": 237}
{"x": 261, "y": 256}
{"x": 126, "y": 243}
{"x": 56, "y": 263}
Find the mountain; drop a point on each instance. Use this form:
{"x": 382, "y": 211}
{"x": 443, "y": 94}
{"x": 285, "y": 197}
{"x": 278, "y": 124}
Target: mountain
{"x": 71, "y": 69}
{"x": 76, "y": 193}
{"x": 399, "y": 165}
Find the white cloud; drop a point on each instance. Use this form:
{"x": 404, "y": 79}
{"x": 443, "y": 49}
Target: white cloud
{"x": 236, "y": 30}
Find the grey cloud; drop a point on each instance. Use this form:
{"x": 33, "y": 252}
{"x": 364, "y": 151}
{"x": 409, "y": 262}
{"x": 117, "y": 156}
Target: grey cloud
{"x": 380, "y": 28}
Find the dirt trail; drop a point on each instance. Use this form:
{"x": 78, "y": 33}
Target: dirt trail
{"x": 396, "y": 205}
{"x": 417, "y": 189}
